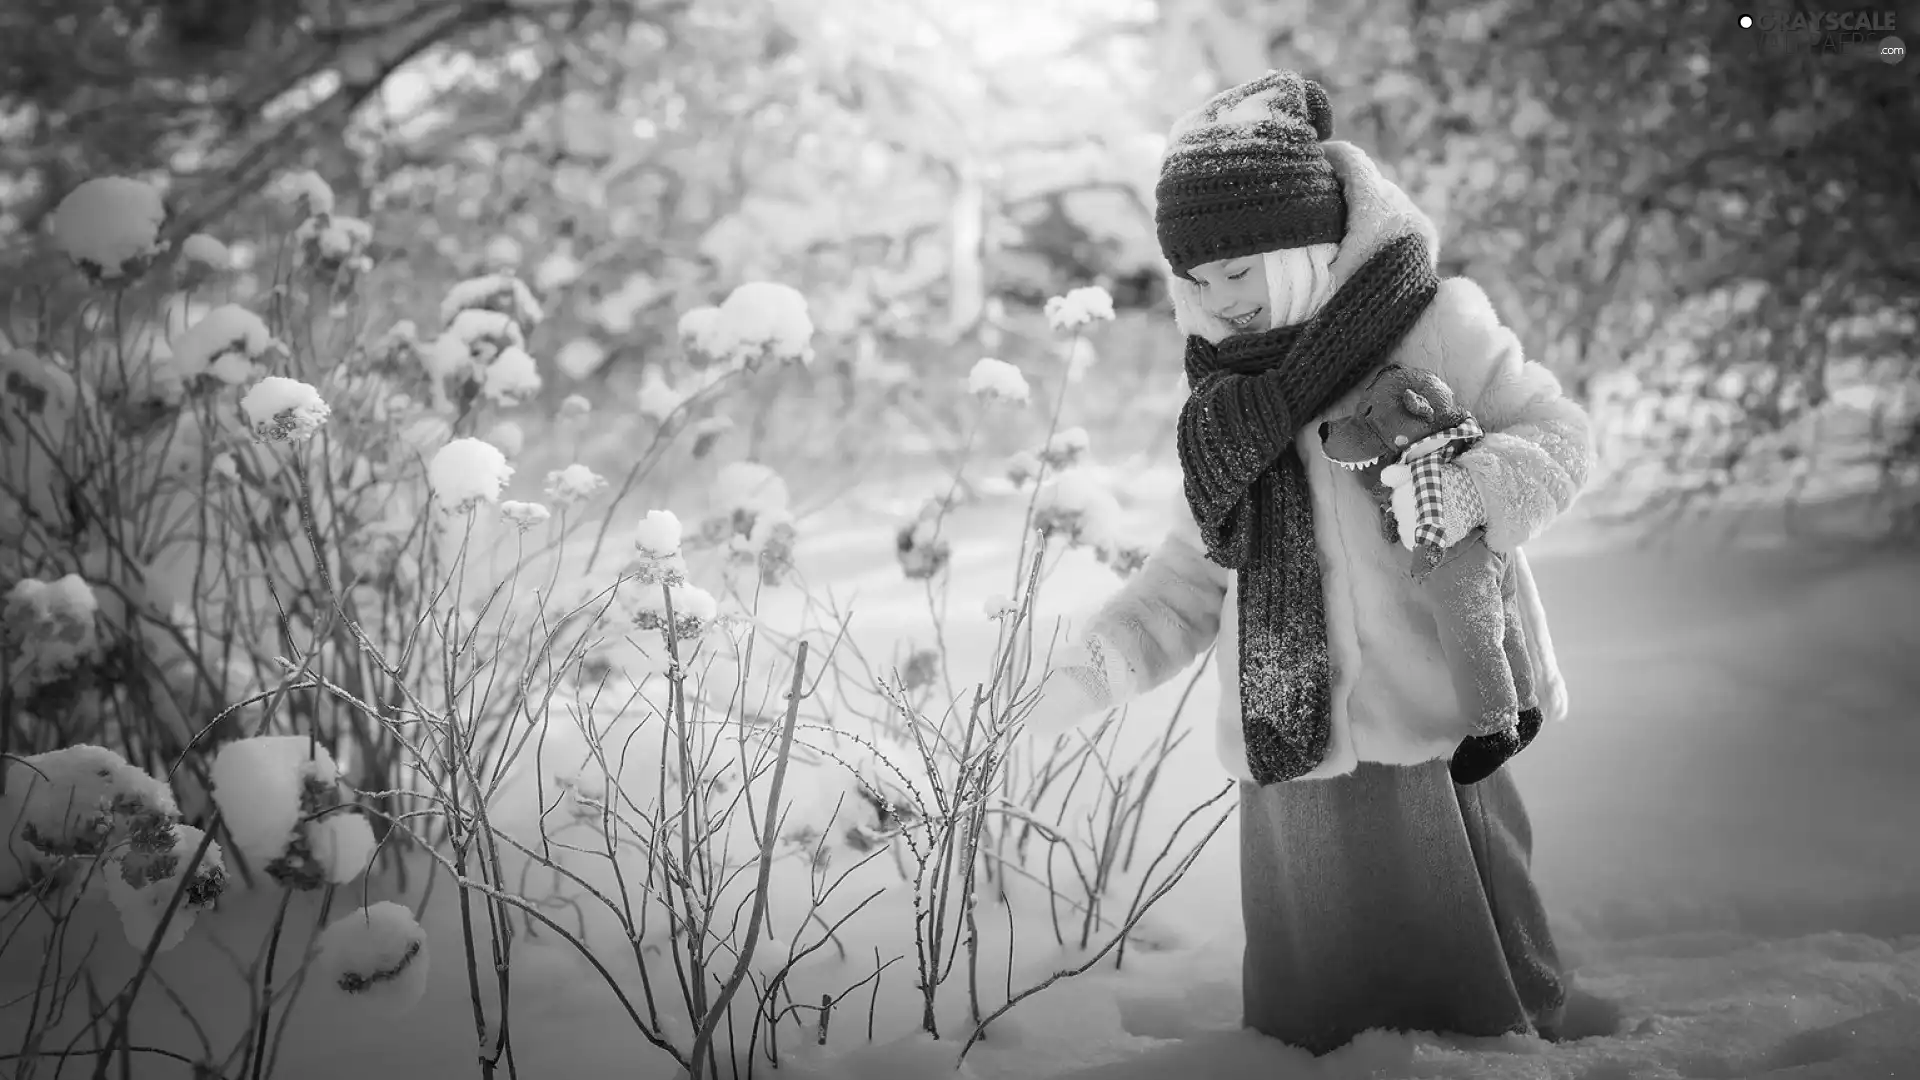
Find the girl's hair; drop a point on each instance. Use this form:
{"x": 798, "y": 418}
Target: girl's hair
{"x": 1299, "y": 281}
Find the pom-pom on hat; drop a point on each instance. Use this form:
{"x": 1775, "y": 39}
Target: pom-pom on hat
{"x": 1244, "y": 174}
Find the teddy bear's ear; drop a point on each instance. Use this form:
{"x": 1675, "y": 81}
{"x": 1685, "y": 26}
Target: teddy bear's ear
{"x": 1417, "y": 404}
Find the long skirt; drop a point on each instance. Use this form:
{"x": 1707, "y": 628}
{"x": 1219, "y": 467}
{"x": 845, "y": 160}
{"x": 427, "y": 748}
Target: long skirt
{"x": 1392, "y": 898}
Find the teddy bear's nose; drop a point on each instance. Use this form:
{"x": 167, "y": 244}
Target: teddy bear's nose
{"x": 1324, "y": 424}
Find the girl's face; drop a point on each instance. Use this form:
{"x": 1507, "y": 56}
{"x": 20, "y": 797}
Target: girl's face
{"x": 1235, "y": 292}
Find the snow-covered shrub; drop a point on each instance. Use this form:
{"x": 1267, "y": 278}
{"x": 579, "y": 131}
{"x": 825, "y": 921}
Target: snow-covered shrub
{"x": 375, "y": 957}
{"x": 285, "y": 809}
{"x": 997, "y": 381}
{"x": 573, "y": 484}
{"x": 758, "y": 322}
{"x": 50, "y": 628}
{"x": 284, "y": 410}
{"x": 466, "y": 472}
{"x": 110, "y": 227}
{"x": 752, "y": 520}
{"x": 85, "y": 805}
{"x": 1079, "y": 308}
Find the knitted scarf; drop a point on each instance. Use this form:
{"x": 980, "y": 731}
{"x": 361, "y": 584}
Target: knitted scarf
{"x": 1247, "y": 486}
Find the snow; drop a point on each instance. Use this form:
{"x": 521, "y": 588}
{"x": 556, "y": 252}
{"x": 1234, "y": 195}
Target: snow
{"x": 751, "y": 488}
{"x": 573, "y": 483}
{"x": 513, "y": 377}
{"x": 283, "y": 410}
{"x": 477, "y": 326}
{"x": 1079, "y": 308}
{"x": 1722, "y": 831}
{"x": 33, "y": 383}
{"x": 658, "y": 535}
{"x": 1066, "y": 448}
{"x": 656, "y": 398}
{"x": 108, "y": 222}
{"x": 467, "y": 471}
{"x": 502, "y": 293}
{"x": 142, "y": 902}
{"x": 758, "y": 320}
{"x": 580, "y": 357}
{"x": 696, "y": 324}
{"x": 509, "y": 436}
{"x": 52, "y": 624}
{"x": 525, "y": 515}
{"x": 335, "y": 237}
{"x": 342, "y": 843}
{"x": 69, "y": 802}
{"x": 693, "y": 609}
{"x": 1079, "y": 505}
{"x": 258, "y": 785}
{"x": 224, "y": 343}
{"x": 309, "y": 195}
{"x": 997, "y": 380}
{"x": 558, "y": 270}
{"x": 505, "y": 251}
{"x": 447, "y": 356}
{"x": 206, "y": 251}
{"x": 375, "y": 957}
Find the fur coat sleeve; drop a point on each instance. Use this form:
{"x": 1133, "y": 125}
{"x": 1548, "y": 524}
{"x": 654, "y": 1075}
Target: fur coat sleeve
{"x": 1538, "y": 449}
{"x": 1161, "y": 620}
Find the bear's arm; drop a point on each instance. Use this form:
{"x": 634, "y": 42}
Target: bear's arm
{"x": 1538, "y": 451}
{"x": 1165, "y": 617}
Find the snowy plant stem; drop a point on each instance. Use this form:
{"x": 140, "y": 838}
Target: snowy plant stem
{"x": 1053, "y": 427}
{"x": 768, "y": 837}
{"x": 1174, "y": 877}
{"x": 132, "y": 990}
{"x": 266, "y": 986}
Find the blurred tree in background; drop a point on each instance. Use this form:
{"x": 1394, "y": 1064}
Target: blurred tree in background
{"x": 1708, "y": 239}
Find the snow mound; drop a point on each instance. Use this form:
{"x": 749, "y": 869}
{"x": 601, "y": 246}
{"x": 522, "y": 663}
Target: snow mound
{"x": 109, "y": 226}
{"x": 284, "y": 410}
{"x": 525, "y": 515}
{"x": 502, "y": 293}
{"x": 141, "y": 886}
{"x": 203, "y": 250}
{"x": 262, "y": 785}
{"x": 225, "y": 343}
{"x": 657, "y": 398}
{"x": 306, "y": 192}
{"x": 659, "y": 535}
{"x": 74, "y": 802}
{"x": 573, "y": 483}
{"x": 1079, "y": 307}
{"x": 376, "y": 957}
{"x": 997, "y": 380}
{"x": 758, "y": 321}
{"x": 53, "y": 626}
{"x": 1078, "y": 506}
{"x": 510, "y": 437}
{"x": 468, "y": 471}
{"x": 513, "y": 377}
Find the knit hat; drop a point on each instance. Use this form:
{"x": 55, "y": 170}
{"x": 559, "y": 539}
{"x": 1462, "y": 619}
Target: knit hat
{"x": 1245, "y": 174}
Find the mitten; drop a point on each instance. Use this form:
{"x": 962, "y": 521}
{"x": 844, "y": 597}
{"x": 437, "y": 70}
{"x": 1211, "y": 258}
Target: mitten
{"x": 1080, "y": 684}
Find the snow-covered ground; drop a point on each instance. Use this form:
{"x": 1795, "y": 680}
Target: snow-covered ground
{"x": 1725, "y": 828}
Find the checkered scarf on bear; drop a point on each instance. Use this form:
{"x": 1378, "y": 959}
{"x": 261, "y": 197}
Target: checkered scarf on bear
{"x": 1427, "y": 470}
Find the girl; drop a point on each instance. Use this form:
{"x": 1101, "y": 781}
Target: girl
{"x": 1376, "y": 892}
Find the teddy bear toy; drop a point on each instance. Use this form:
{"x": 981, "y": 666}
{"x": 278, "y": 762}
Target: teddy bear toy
{"x": 1406, "y": 427}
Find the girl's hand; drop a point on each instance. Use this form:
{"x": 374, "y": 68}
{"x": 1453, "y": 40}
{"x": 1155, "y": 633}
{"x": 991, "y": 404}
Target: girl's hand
{"x": 1072, "y": 691}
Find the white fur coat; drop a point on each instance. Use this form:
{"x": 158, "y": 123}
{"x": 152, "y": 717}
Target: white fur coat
{"x": 1393, "y": 698}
